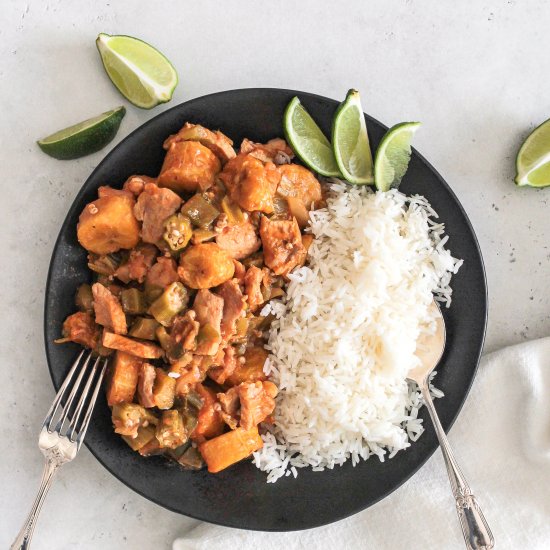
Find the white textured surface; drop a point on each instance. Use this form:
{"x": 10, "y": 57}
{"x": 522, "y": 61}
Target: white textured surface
{"x": 472, "y": 72}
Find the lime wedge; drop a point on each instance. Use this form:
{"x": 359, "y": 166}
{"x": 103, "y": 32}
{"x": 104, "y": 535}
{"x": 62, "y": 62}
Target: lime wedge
{"x": 393, "y": 155}
{"x": 308, "y": 141}
{"x": 533, "y": 160}
{"x": 140, "y": 72}
{"x": 85, "y": 137}
{"x": 350, "y": 141}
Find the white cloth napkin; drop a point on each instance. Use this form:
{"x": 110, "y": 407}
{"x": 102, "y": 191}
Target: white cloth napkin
{"x": 502, "y": 442}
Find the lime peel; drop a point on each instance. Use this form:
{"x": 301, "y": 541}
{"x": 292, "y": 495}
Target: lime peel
{"x": 83, "y": 138}
{"x": 350, "y": 141}
{"x": 308, "y": 141}
{"x": 145, "y": 84}
{"x": 533, "y": 158}
{"x": 393, "y": 155}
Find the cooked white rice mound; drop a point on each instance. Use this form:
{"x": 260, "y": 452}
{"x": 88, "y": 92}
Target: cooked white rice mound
{"x": 345, "y": 335}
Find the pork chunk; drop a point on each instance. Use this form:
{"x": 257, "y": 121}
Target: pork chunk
{"x": 154, "y": 206}
{"x": 282, "y": 245}
{"x": 239, "y": 240}
{"x": 108, "y": 310}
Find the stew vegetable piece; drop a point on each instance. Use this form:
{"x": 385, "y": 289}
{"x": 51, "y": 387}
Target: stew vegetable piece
{"x": 182, "y": 265}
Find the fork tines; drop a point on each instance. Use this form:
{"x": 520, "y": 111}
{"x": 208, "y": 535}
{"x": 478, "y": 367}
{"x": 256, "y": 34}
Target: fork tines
{"x": 72, "y": 408}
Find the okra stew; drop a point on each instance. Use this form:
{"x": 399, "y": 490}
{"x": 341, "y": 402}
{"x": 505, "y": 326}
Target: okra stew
{"x": 182, "y": 265}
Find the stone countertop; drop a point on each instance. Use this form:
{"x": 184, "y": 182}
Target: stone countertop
{"x": 472, "y": 72}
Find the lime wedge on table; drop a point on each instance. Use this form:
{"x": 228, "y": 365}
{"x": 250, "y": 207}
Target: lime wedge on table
{"x": 140, "y": 72}
{"x": 85, "y": 137}
{"x": 308, "y": 141}
{"x": 351, "y": 141}
{"x": 533, "y": 160}
{"x": 393, "y": 155}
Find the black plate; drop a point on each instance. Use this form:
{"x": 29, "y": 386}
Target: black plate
{"x": 240, "y": 496}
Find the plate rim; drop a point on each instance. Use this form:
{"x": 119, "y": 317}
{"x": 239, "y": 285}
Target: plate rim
{"x": 63, "y": 228}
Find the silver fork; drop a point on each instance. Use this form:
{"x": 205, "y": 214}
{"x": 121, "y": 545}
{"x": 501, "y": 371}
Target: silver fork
{"x": 63, "y": 431}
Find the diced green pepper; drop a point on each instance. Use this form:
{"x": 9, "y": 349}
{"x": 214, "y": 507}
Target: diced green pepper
{"x": 191, "y": 459}
{"x": 144, "y": 328}
{"x": 169, "y": 304}
{"x": 207, "y": 333}
{"x": 177, "y": 232}
{"x": 152, "y": 292}
{"x": 200, "y": 211}
{"x": 133, "y": 301}
{"x": 84, "y": 299}
{"x": 164, "y": 389}
{"x": 256, "y": 259}
{"x": 232, "y": 211}
{"x": 170, "y": 431}
{"x": 203, "y": 235}
{"x": 174, "y": 350}
{"x": 127, "y": 418}
{"x": 104, "y": 265}
{"x": 193, "y": 399}
{"x": 144, "y": 435}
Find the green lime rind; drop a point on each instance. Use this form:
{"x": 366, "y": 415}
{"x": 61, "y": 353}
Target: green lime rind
{"x": 533, "y": 158}
{"x": 350, "y": 141}
{"x": 308, "y": 141}
{"x": 83, "y": 138}
{"x": 393, "y": 155}
{"x": 142, "y": 74}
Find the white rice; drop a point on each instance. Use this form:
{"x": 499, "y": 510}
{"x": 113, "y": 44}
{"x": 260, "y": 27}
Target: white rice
{"x": 345, "y": 334}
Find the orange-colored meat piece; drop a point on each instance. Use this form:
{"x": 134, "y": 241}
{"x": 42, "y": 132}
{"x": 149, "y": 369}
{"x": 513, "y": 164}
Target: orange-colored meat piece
{"x": 146, "y": 381}
{"x": 108, "y": 224}
{"x": 239, "y": 240}
{"x": 189, "y": 166}
{"x": 282, "y": 244}
{"x": 138, "y": 265}
{"x": 210, "y": 423}
{"x": 108, "y": 311}
{"x": 251, "y": 370}
{"x": 208, "y": 308}
{"x": 205, "y": 266}
{"x": 106, "y": 191}
{"x": 185, "y": 329}
{"x": 154, "y": 206}
{"x": 230, "y": 362}
{"x": 81, "y": 328}
{"x": 146, "y": 350}
{"x": 123, "y": 379}
{"x": 257, "y": 402}
{"x": 233, "y": 307}
{"x": 229, "y": 448}
{"x": 217, "y": 142}
{"x": 250, "y": 183}
{"x": 275, "y": 150}
{"x": 163, "y": 273}
{"x": 252, "y": 287}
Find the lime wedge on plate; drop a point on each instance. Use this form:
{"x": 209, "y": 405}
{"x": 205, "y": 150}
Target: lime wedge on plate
{"x": 85, "y": 137}
{"x": 140, "y": 72}
{"x": 308, "y": 141}
{"x": 533, "y": 160}
{"x": 350, "y": 141}
{"x": 393, "y": 155}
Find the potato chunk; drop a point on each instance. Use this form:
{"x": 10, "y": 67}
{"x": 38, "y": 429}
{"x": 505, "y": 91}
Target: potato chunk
{"x": 108, "y": 224}
{"x": 188, "y": 166}
{"x": 217, "y": 142}
{"x": 250, "y": 183}
{"x": 123, "y": 380}
{"x": 205, "y": 266}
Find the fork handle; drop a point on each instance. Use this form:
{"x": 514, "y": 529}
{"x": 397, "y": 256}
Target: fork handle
{"x": 23, "y": 540}
{"x": 476, "y": 531}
